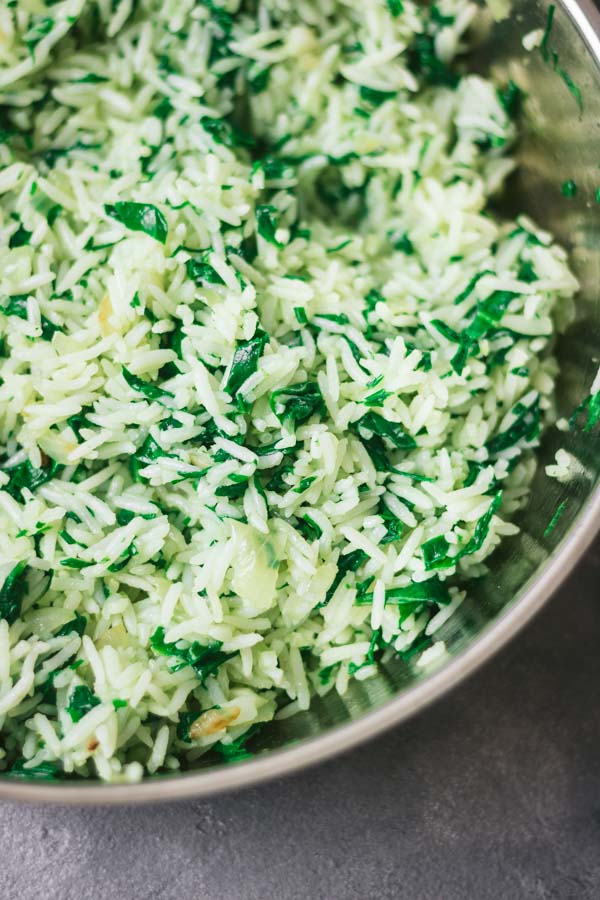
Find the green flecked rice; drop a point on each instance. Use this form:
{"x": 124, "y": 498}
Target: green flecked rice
{"x": 271, "y": 372}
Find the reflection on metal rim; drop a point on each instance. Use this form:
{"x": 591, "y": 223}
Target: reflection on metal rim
{"x": 586, "y": 18}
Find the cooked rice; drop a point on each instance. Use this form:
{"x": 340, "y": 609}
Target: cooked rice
{"x": 272, "y": 370}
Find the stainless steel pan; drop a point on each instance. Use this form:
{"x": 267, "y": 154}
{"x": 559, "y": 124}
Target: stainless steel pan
{"x": 559, "y": 142}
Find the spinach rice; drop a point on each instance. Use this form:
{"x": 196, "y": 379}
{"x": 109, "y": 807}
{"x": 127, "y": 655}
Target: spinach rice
{"x": 271, "y": 371}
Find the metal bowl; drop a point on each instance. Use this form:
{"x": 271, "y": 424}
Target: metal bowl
{"x": 560, "y": 141}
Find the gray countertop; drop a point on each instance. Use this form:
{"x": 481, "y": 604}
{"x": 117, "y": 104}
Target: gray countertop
{"x": 494, "y": 792}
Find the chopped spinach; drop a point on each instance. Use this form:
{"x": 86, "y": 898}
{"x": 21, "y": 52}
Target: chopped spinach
{"x": 371, "y": 300}
{"x": 304, "y": 485}
{"x": 222, "y": 132}
{"x": 245, "y": 361}
{"x": 309, "y": 529}
{"x": 424, "y": 62}
{"x": 370, "y": 659}
{"x": 377, "y": 398}
{"x": 81, "y": 702}
{"x": 267, "y": 449}
{"x": 163, "y": 109}
{"x": 73, "y": 563}
{"x": 124, "y": 516}
{"x": 186, "y": 720}
{"x": 52, "y": 154}
{"x": 297, "y": 402}
{"x": 16, "y": 305}
{"x": 300, "y": 314}
{"x": 233, "y": 491}
{"x": 488, "y": 314}
{"x": 573, "y": 89}
{"x": 53, "y": 214}
{"x": 12, "y": 593}
{"x": 204, "y": 659}
{"x": 449, "y": 333}
{"x": 396, "y": 7}
{"x": 20, "y": 238}
{"x": 200, "y": 270}
{"x": 403, "y": 243}
{"x": 25, "y": 476}
{"x": 554, "y": 520}
{"x": 45, "y": 771}
{"x": 275, "y": 167}
{"x": 39, "y": 27}
{"x": 440, "y": 18}
{"x": 347, "y": 562}
{"x": 415, "y": 593}
{"x": 544, "y": 50}
{"x": 393, "y": 525}
{"x": 91, "y": 78}
{"x": 120, "y": 563}
{"x": 423, "y": 642}
{"x": 525, "y": 427}
{"x": 377, "y": 451}
{"x": 374, "y": 97}
{"x": 236, "y": 750}
{"x": 435, "y": 553}
{"x": 277, "y": 482}
{"x": 140, "y": 217}
{"x": 148, "y": 453}
{"x": 259, "y": 81}
{"x": 373, "y": 424}
{"x": 471, "y": 285}
{"x": 76, "y": 625}
{"x": 527, "y": 273}
{"x": 510, "y": 97}
{"x": 482, "y": 528}
{"x": 266, "y": 218}
{"x": 325, "y": 674}
{"x": 340, "y": 246}
{"x": 548, "y": 54}
{"x": 149, "y": 390}
{"x": 590, "y": 406}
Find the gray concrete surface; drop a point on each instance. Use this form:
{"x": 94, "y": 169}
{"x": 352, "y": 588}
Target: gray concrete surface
{"x": 492, "y": 793}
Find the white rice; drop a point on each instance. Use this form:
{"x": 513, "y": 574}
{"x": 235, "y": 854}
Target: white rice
{"x": 261, "y": 409}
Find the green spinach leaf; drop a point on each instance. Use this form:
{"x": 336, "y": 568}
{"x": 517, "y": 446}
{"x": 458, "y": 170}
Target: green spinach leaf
{"x": 297, "y": 402}
{"x": 201, "y": 271}
{"x": 266, "y": 218}
{"x": 245, "y": 361}
{"x": 140, "y": 217}
{"x": 12, "y": 593}
{"x": 348, "y": 562}
{"x": 76, "y": 625}
{"x": 204, "y": 659}
{"x": 39, "y": 27}
{"x": 373, "y": 424}
{"x": 525, "y": 427}
{"x": 46, "y": 771}
{"x": 149, "y": 390}
{"x": 24, "y": 475}
{"x": 81, "y": 702}
{"x": 430, "y": 591}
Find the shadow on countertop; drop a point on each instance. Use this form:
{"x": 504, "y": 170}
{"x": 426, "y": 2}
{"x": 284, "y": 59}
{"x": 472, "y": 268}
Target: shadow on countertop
{"x": 494, "y": 792}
